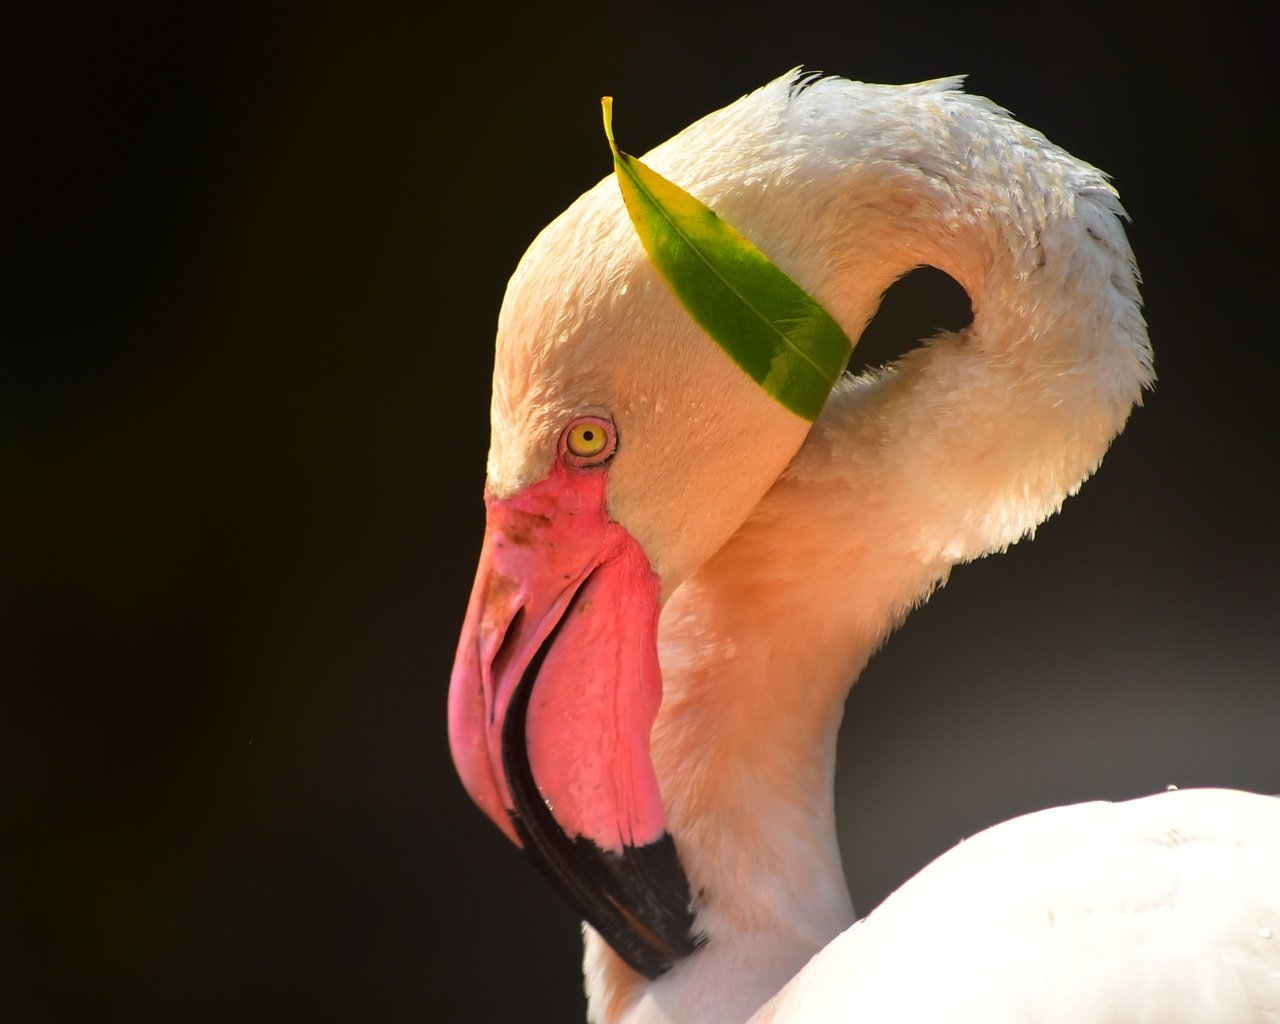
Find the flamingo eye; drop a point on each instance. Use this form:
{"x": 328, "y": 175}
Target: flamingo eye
{"x": 588, "y": 441}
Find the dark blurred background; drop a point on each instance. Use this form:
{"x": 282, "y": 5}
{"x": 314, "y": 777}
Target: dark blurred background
{"x": 252, "y": 261}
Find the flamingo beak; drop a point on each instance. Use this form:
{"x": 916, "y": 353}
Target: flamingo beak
{"x": 553, "y": 696}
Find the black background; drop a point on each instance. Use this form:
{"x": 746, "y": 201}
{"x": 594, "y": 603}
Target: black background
{"x": 252, "y": 263}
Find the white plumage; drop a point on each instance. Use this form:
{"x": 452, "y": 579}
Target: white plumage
{"x": 1155, "y": 911}
{"x": 786, "y": 555}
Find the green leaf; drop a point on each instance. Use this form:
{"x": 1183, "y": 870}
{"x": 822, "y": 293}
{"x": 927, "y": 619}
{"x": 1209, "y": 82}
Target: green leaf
{"x": 768, "y": 324}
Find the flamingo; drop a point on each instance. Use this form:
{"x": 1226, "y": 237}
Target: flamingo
{"x": 681, "y": 578}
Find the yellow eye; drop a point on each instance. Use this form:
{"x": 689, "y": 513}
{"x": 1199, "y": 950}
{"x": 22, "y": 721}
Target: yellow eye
{"x": 588, "y": 441}
{"x": 585, "y": 440}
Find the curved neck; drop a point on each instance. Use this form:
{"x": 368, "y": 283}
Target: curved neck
{"x": 959, "y": 450}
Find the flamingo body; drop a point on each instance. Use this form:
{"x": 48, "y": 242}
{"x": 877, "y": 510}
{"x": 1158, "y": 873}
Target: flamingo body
{"x": 1164, "y": 909}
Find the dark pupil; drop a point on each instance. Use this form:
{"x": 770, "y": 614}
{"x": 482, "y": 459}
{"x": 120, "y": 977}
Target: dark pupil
{"x": 588, "y": 436}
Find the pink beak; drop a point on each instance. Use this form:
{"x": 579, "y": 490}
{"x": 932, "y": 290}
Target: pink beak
{"x": 554, "y": 692}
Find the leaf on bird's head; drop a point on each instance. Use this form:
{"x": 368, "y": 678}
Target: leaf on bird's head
{"x": 768, "y": 324}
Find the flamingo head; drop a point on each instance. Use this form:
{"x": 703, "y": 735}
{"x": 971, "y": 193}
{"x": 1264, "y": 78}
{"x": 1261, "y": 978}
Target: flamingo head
{"x": 626, "y": 448}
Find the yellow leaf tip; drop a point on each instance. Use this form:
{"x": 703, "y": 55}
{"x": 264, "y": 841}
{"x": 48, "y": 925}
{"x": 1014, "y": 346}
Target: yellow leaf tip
{"x": 606, "y": 107}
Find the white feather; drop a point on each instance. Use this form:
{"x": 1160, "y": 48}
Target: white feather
{"x": 1164, "y": 910}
